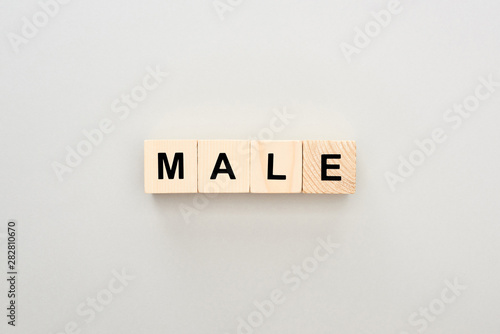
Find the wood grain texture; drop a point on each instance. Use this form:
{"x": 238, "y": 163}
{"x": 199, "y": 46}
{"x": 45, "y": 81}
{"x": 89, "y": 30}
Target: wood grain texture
{"x": 286, "y": 161}
{"x": 238, "y": 155}
{"x": 312, "y": 182}
{"x": 154, "y": 185}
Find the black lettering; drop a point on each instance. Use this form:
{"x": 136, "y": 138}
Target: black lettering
{"x": 325, "y": 167}
{"x": 270, "y": 166}
{"x": 218, "y": 170}
{"x": 178, "y": 162}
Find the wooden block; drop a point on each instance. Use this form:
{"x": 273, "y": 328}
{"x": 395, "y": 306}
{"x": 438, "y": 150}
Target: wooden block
{"x": 329, "y": 167}
{"x": 276, "y": 166}
{"x": 170, "y": 166}
{"x": 223, "y": 166}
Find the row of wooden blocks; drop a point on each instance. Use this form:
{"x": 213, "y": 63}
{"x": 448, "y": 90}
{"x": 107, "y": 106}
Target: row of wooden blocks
{"x": 242, "y": 166}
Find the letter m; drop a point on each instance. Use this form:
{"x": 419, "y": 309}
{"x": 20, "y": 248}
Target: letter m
{"x": 178, "y": 162}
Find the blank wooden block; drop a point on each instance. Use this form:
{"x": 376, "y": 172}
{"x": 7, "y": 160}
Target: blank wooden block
{"x": 276, "y": 166}
{"x": 329, "y": 167}
{"x": 170, "y": 166}
{"x": 223, "y": 166}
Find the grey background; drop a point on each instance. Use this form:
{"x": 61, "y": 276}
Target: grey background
{"x": 226, "y": 79}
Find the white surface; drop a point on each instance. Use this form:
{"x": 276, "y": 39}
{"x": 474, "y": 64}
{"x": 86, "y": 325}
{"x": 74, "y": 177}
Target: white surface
{"x": 396, "y": 249}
